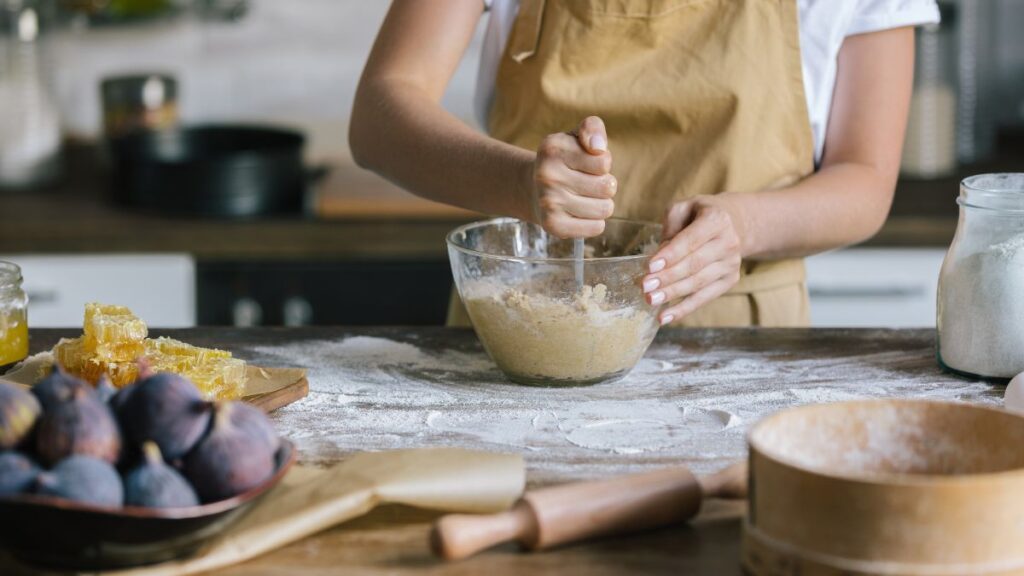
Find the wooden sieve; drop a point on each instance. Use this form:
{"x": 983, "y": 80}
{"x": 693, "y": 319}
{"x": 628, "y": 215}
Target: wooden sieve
{"x": 886, "y": 487}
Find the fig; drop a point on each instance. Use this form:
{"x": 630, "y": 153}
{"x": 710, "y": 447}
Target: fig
{"x": 17, "y": 473}
{"x": 81, "y": 424}
{"x": 83, "y": 478}
{"x": 56, "y": 387}
{"x": 255, "y": 421}
{"x": 154, "y": 484}
{"x": 166, "y": 409}
{"x": 19, "y": 411}
{"x": 230, "y": 459}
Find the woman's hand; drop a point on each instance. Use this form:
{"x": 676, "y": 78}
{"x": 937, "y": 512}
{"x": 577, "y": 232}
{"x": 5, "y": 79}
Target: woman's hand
{"x": 699, "y": 259}
{"x": 572, "y": 182}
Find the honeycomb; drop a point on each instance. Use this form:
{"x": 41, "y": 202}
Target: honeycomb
{"x": 73, "y": 354}
{"x": 113, "y": 333}
{"x": 216, "y": 373}
{"x": 114, "y": 340}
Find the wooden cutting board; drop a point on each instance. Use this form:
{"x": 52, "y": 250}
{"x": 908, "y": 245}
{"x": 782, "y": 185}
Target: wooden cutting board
{"x": 265, "y": 388}
{"x": 271, "y": 388}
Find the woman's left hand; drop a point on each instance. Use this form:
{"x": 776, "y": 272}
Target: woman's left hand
{"x": 699, "y": 259}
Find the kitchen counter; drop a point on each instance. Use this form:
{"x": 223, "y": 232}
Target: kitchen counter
{"x": 690, "y": 401}
{"x": 357, "y": 215}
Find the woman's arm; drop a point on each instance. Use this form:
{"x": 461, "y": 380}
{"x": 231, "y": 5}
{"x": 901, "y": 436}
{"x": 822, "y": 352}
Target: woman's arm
{"x": 400, "y": 130}
{"x": 846, "y": 201}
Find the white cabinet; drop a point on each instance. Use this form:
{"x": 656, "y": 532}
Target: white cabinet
{"x": 877, "y": 287}
{"x": 159, "y": 288}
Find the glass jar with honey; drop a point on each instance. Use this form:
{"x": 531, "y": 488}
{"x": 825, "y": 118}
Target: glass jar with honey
{"x": 13, "y": 316}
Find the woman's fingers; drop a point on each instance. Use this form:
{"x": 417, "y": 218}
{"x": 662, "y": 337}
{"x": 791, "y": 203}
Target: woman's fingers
{"x": 708, "y": 223}
{"x": 573, "y": 182}
{"x": 694, "y": 301}
{"x": 590, "y": 208}
{"x": 592, "y": 135}
{"x": 580, "y": 161}
{"x": 677, "y": 217}
{"x": 688, "y": 275}
{"x": 690, "y": 284}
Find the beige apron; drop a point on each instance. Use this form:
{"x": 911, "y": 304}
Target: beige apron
{"x": 698, "y": 96}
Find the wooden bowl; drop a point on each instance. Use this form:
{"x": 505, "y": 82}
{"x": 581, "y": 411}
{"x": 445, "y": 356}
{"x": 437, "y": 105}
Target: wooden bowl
{"x": 887, "y": 487}
{"x": 64, "y": 534}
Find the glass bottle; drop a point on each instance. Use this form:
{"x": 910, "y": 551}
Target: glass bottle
{"x": 980, "y": 308}
{"x": 30, "y": 135}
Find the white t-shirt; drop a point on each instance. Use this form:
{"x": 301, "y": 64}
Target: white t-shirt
{"x": 823, "y": 26}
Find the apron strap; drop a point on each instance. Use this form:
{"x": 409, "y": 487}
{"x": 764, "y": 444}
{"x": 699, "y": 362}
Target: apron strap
{"x": 531, "y": 14}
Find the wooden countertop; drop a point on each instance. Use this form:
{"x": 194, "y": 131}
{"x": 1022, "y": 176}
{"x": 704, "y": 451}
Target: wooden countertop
{"x": 690, "y": 401}
{"x": 354, "y": 215}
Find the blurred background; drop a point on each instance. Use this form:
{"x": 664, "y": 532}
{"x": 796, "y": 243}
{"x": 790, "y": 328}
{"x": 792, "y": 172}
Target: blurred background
{"x": 115, "y": 116}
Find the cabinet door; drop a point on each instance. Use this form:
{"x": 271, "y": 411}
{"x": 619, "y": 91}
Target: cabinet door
{"x": 159, "y": 288}
{"x": 876, "y": 287}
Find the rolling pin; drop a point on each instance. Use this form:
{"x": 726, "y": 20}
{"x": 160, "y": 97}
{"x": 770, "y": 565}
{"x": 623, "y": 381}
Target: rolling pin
{"x": 573, "y": 512}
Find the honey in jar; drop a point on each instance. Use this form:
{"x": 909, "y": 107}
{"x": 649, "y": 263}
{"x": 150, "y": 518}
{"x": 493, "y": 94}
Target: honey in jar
{"x": 13, "y": 315}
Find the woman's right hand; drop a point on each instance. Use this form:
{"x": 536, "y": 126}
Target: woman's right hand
{"x": 572, "y": 182}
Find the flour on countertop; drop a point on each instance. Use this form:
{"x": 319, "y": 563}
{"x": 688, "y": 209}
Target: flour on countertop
{"x": 678, "y": 406}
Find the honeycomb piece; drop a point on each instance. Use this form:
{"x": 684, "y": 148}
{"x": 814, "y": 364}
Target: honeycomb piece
{"x": 71, "y": 353}
{"x": 221, "y": 378}
{"x": 113, "y": 333}
{"x": 213, "y": 371}
{"x": 184, "y": 355}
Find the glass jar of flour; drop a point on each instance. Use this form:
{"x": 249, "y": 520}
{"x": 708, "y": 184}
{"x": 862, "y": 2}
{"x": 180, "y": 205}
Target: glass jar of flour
{"x": 981, "y": 287}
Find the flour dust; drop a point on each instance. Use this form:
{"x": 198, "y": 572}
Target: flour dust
{"x": 678, "y": 406}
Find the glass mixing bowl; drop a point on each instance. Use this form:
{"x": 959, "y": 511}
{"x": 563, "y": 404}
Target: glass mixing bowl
{"x": 541, "y": 328}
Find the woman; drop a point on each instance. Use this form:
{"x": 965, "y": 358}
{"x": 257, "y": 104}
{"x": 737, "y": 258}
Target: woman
{"x": 759, "y": 131}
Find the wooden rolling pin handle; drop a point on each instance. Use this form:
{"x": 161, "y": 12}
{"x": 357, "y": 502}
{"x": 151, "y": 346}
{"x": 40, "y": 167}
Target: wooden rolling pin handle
{"x": 461, "y": 535}
{"x": 573, "y": 512}
{"x": 729, "y": 483}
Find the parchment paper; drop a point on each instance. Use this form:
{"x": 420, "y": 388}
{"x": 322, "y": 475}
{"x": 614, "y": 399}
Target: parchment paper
{"x": 310, "y": 500}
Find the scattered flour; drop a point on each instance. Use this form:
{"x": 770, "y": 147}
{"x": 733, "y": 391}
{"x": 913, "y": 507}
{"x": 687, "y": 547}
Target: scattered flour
{"x": 688, "y": 404}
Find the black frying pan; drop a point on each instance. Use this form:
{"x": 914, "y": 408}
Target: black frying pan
{"x": 219, "y": 171}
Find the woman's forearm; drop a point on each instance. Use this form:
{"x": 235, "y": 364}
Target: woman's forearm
{"x": 841, "y": 204}
{"x": 848, "y": 199}
{"x": 404, "y": 135}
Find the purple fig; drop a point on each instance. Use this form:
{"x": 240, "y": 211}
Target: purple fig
{"x": 19, "y": 411}
{"x": 230, "y": 459}
{"x": 17, "y": 473}
{"x": 154, "y": 484}
{"x": 80, "y": 424}
{"x": 255, "y": 422}
{"x": 56, "y": 387}
{"x": 83, "y": 479}
{"x": 166, "y": 409}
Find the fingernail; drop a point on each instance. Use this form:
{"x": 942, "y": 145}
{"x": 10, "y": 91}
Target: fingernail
{"x": 651, "y": 284}
{"x": 658, "y": 265}
{"x": 598, "y": 142}
{"x": 657, "y": 298}
{"x": 666, "y": 319}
